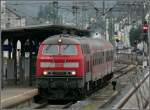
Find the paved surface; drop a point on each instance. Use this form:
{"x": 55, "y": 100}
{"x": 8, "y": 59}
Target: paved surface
{"x": 12, "y": 96}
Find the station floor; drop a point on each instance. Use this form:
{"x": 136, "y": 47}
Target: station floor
{"x": 11, "y": 92}
{"x": 10, "y": 96}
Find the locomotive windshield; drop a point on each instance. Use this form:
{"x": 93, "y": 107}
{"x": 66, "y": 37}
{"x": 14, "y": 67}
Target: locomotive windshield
{"x": 68, "y": 50}
{"x": 60, "y": 49}
{"x": 50, "y": 50}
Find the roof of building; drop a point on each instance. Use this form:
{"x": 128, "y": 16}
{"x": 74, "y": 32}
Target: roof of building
{"x": 41, "y": 31}
{"x": 14, "y": 11}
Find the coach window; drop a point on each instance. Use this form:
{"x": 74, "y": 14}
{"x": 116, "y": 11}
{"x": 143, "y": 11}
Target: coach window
{"x": 88, "y": 49}
{"x": 112, "y": 55}
{"x": 106, "y": 56}
{"x": 109, "y": 55}
{"x": 103, "y": 56}
{"x": 88, "y": 68}
{"x": 99, "y": 56}
{"x": 85, "y": 48}
{"x": 94, "y": 59}
{"x": 82, "y": 48}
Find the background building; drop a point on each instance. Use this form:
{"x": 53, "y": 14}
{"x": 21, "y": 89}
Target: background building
{"x": 10, "y": 18}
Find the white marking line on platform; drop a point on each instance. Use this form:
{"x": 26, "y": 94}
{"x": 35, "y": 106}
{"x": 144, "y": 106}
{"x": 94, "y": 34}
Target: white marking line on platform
{"x": 17, "y": 96}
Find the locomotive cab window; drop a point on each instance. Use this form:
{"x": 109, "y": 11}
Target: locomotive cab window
{"x": 60, "y": 50}
{"x": 68, "y": 50}
{"x": 50, "y": 50}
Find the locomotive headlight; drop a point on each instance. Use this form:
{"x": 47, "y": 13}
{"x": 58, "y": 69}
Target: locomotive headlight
{"x": 59, "y": 40}
{"x": 45, "y": 73}
{"x": 73, "y": 73}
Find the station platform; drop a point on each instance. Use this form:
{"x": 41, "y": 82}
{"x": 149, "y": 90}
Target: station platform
{"x": 16, "y": 95}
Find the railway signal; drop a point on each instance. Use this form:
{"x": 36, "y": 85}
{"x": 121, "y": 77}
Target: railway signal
{"x": 145, "y": 30}
{"x": 145, "y": 27}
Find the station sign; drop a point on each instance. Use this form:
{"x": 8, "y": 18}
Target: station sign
{"x": 7, "y": 48}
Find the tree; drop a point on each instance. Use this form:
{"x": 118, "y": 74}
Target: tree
{"x": 135, "y": 34}
{"x": 47, "y": 13}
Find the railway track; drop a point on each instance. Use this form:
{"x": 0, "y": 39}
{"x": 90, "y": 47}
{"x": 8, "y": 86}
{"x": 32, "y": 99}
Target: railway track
{"x": 105, "y": 95}
{"x": 42, "y": 105}
{"x": 46, "y": 104}
{"x": 68, "y": 105}
{"x": 122, "y": 71}
{"x": 134, "y": 93}
{"x": 54, "y": 104}
{"x": 96, "y": 99}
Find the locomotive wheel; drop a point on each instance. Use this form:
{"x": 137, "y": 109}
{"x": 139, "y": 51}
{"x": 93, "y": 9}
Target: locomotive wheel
{"x": 38, "y": 99}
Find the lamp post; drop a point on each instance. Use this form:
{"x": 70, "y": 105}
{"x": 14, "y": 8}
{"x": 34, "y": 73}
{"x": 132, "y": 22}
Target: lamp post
{"x": 55, "y": 6}
{"x": 149, "y": 44}
{"x": 0, "y": 65}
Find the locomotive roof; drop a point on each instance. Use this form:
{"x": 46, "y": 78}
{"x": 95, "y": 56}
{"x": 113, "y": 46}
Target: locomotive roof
{"x": 65, "y": 40}
{"x": 93, "y": 42}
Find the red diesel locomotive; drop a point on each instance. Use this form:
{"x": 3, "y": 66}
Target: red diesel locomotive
{"x": 70, "y": 67}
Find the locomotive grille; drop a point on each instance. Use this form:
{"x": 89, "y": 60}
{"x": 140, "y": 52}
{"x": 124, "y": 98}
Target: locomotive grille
{"x": 58, "y": 73}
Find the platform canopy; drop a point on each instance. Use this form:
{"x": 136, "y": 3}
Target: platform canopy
{"x": 41, "y": 31}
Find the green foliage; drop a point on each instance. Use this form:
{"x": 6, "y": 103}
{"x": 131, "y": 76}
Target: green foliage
{"x": 134, "y": 34}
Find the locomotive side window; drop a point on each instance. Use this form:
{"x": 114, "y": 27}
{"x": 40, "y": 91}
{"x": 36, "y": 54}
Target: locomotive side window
{"x": 68, "y": 50}
{"x": 103, "y": 57}
{"x": 85, "y": 49}
{"x": 106, "y": 56}
{"x": 50, "y": 50}
{"x": 88, "y": 49}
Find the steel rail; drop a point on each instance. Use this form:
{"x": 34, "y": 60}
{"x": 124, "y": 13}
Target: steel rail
{"x": 131, "y": 93}
{"x": 42, "y": 105}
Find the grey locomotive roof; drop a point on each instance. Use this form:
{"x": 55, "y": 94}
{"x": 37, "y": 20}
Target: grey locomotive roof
{"x": 77, "y": 40}
{"x": 65, "y": 40}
